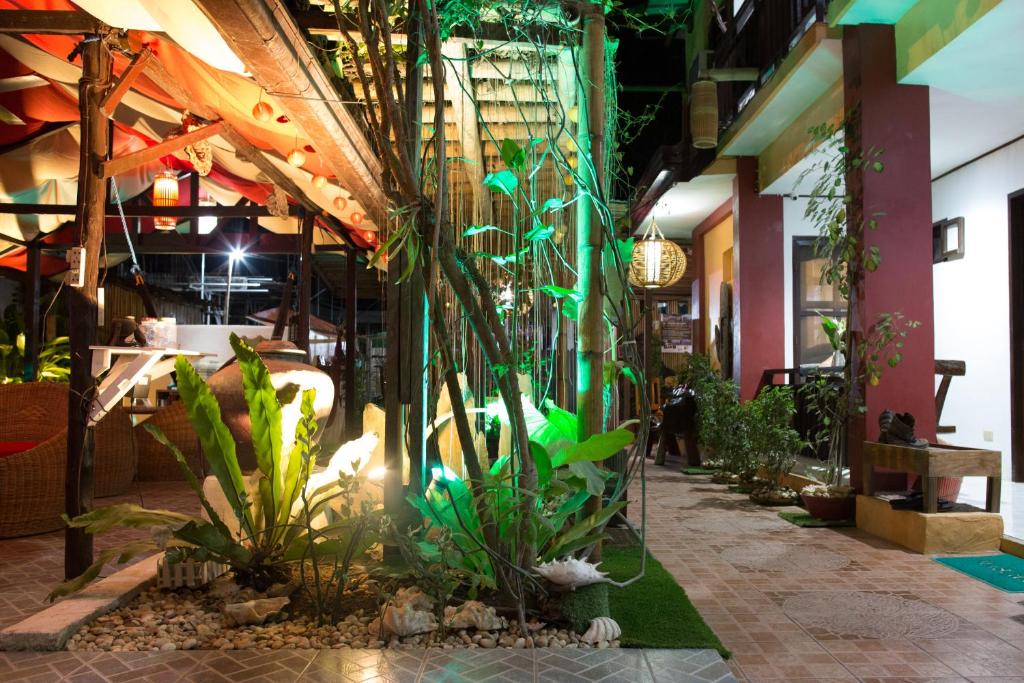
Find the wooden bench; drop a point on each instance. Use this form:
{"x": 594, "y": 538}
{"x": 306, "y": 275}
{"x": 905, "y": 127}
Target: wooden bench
{"x": 934, "y": 462}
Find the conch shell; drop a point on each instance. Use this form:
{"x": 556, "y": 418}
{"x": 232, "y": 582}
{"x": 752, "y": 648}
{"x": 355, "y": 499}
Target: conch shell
{"x": 474, "y": 614}
{"x": 601, "y": 629}
{"x": 255, "y": 611}
{"x": 571, "y": 572}
{"x": 406, "y": 620}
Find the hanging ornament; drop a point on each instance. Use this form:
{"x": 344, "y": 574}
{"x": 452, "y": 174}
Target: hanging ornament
{"x": 262, "y": 112}
{"x": 356, "y": 218}
{"x": 319, "y": 181}
{"x": 657, "y": 262}
{"x": 165, "y": 193}
{"x": 296, "y": 157}
{"x": 340, "y": 203}
{"x": 704, "y": 114}
{"x": 277, "y": 203}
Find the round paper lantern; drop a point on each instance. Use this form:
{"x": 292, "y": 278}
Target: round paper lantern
{"x": 657, "y": 262}
{"x": 165, "y": 193}
{"x": 319, "y": 181}
{"x": 340, "y": 203}
{"x": 296, "y": 157}
{"x": 263, "y": 112}
{"x": 356, "y": 218}
{"x": 704, "y": 114}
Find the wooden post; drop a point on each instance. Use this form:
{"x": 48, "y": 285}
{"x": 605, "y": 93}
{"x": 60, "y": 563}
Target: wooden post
{"x": 305, "y": 280}
{"x": 353, "y": 425}
{"x": 590, "y": 234}
{"x": 284, "y": 309}
{"x": 82, "y": 307}
{"x": 33, "y": 326}
{"x": 193, "y": 201}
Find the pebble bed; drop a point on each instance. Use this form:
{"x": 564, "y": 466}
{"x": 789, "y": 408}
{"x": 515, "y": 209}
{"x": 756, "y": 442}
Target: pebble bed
{"x": 192, "y": 620}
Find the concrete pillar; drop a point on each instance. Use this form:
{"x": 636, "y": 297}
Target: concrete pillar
{"x": 758, "y": 280}
{"x": 893, "y": 118}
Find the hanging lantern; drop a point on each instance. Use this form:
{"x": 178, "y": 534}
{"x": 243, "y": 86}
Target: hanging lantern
{"x": 319, "y": 181}
{"x": 165, "y": 193}
{"x": 356, "y": 218}
{"x": 263, "y": 112}
{"x": 704, "y": 114}
{"x": 340, "y": 203}
{"x": 296, "y": 157}
{"x": 657, "y": 262}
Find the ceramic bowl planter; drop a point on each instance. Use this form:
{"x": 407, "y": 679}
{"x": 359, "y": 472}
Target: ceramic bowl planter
{"x": 830, "y": 508}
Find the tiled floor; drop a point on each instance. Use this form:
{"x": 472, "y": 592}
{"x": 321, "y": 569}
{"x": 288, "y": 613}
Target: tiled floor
{"x": 797, "y": 604}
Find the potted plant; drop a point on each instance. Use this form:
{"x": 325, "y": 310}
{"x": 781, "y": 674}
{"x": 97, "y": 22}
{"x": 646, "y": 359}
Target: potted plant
{"x": 773, "y": 443}
{"x": 836, "y": 209}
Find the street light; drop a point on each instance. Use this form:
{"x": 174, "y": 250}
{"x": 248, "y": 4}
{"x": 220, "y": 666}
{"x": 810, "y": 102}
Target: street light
{"x": 235, "y": 254}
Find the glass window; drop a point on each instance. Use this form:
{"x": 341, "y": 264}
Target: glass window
{"x": 812, "y": 299}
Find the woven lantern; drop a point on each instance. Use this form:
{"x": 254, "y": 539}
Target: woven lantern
{"x": 657, "y": 262}
{"x": 319, "y": 181}
{"x": 165, "y": 193}
{"x": 340, "y": 203}
{"x": 704, "y": 114}
{"x": 297, "y": 157}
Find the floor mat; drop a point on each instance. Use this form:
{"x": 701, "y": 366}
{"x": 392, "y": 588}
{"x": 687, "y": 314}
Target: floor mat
{"x": 1005, "y": 572}
{"x": 805, "y": 520}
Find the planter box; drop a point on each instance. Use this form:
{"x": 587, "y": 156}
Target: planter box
{"x": 945, "y": 532}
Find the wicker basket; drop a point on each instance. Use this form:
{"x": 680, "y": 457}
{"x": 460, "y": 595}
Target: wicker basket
{"x": 32, "y": 482}
{"x": 156, "y": 462}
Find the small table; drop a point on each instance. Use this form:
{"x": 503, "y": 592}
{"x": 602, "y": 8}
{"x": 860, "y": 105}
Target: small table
{"x": 934, "y": 462}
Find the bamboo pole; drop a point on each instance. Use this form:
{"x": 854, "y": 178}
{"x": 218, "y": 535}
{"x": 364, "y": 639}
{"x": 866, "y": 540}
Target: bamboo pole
{"x": 589, "y": 234}
{"x": 82, "y": 305}
{"x": 33, "y": 327}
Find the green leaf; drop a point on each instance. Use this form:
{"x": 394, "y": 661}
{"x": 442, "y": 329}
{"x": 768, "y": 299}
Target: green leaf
{"x": 625, "y": 249}
{"x": 512, "y": 154}
{"x": 265, "y": 420}
{"x": 630, "y": 375}
{"x": 477, "y": 229}
{"x": 539, "y": 233}
{"x": 551, "y": 204}
{"x": 571, "y": 308}
{"x": 581, "y": 529}
{"x": 206, "y": 536}
{"x": 543, "y": 462}
{"x": 215, "y": 438}
{"x": 562, "y": 419}
{"x": 122, "y": 554}
{"x": 556, "y": 292}
{"x": 590, "y": 475}
{"x": 504, "y": 182}
{"x": 127, "y": 516}
{"x": 595, "y": 449}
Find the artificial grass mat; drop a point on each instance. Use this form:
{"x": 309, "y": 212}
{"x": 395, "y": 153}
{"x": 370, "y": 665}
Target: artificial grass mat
{"x": 805, "y": 520}
{"x": 653, "y": 612}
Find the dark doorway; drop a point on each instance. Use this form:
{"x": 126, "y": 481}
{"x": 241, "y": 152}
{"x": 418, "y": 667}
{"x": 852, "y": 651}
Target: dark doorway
{"x": 1016, "y": 232}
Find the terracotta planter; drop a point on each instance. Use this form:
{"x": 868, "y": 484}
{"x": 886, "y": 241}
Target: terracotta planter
{"x": 830, "y": 509}
{"x": 287, "y": 365}
{"x": 949, "y": 487}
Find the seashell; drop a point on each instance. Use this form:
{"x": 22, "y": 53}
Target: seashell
{"x": 255, "y": 611}
{"x": 601, "y": 629}
{"x": 571, "y": 572}
{"x": 406, "y": 620}
{"x": 474, "y": 614}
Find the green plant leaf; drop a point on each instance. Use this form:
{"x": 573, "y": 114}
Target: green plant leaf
{"x": 122, "y": 554}
{"x": 556, "y": 292}
{"x": 551, "y": 204}
{"x": 206, "y": 536}
{"x": 477, "y": 229}
{"x": 539, "y": 233}
{"x": 127, "y": 516}
{"x": 595, "y": 449}
{"x": 592, "y": 478}
{"x": 216, "y": 440}
{"x": 580, "y": 530}
{"x": 543, "y": 462}
{"x": 504, "y": 182}
{"x": 512, "y": 154}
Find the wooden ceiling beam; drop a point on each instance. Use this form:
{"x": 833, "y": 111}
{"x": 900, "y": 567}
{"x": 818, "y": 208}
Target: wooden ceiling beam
{"x": 54, "y": 22}
{"x": 124, "y": 83}
{"x": 128, "y": 162}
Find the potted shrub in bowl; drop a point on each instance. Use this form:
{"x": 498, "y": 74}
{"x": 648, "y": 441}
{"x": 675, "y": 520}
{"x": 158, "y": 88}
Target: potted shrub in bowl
{"x": 773, "y": 443}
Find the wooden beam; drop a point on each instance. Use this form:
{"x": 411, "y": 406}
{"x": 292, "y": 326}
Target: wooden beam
{"x": 143, "y": 211}
{"x": 33, "y": 326}
{"x": 353, "y": 423}
{"x": 284, "y": 308}
{"x": 82, "y": 305}
{"x": 124, "y": 83}
{"x": 144, "y": 156}
{"x": 305, "y": 280}
{"x": 59, "y": 22}
{"x": 175, "y": 243}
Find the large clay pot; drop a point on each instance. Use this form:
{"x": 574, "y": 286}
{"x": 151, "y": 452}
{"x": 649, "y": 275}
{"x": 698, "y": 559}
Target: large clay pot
{"x": 830, "y": 508}
{"x": 287, "y": 365}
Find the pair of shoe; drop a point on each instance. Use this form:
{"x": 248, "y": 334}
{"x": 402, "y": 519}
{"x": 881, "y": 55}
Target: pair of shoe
{"x": 898, "y": 429}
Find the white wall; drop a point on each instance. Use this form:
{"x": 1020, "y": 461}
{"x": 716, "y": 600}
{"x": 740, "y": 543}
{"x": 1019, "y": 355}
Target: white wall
{"x": 972, "y": 299}
{"x": 793, "y": 225}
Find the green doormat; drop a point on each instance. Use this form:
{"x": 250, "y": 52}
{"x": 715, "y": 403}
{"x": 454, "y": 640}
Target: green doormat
{"x": 805, "y": 520}
{"x": 1005, "y": 572}
{"x": 699, "y": 470}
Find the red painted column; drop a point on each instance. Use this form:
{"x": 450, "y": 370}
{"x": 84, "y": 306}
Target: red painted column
{"x": 893, "y": 118}
{"x": 758, "y": 280}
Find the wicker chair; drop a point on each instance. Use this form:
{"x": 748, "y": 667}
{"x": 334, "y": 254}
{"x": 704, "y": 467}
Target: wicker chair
{"x": 32, "y": 481}
{"x": 156, "y": 462}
